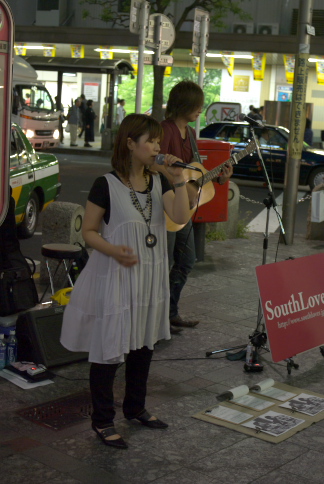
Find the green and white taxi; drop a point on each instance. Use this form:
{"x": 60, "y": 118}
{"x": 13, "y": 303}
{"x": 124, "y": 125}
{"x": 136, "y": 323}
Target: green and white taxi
{"x": 35, "y": 181}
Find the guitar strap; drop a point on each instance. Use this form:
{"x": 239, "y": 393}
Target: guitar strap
{"x": 194, "y": 146}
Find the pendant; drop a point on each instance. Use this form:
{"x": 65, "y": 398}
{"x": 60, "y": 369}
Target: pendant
{"x": 150, "y": 240}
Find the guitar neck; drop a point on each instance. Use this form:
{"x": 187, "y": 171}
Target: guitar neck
{"x": 233, "y": 160}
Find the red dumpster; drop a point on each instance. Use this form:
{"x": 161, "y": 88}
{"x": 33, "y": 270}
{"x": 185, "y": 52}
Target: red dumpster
{"x": 214, "y": 153}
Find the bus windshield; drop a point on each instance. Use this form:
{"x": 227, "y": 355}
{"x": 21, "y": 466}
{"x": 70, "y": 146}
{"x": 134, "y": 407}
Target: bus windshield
{"x": 35, "y": 97}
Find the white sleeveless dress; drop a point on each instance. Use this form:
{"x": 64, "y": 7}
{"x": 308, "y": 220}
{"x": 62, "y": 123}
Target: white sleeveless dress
{"x": 115, "y": 309}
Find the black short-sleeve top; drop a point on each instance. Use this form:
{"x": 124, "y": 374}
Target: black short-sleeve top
{"x": 99, "y": 193}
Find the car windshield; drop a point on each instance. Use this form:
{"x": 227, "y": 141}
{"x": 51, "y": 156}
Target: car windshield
{"x": 35, "y": 97}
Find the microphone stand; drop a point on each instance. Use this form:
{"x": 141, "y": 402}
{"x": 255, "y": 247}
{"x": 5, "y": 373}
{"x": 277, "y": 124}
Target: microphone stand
{"x": 259, "y": 337}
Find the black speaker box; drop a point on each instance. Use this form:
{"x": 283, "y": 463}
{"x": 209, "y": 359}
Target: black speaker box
{"x": 38, "y": 334}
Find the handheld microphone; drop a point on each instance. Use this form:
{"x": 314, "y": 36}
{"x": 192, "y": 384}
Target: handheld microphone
{"x": 159, "y": 160}
{"x": 254, "y": 122}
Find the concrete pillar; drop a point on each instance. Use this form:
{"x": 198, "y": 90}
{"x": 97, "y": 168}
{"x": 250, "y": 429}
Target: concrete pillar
{"x": 230, "y": 226}
{"x": 62, "y": 223}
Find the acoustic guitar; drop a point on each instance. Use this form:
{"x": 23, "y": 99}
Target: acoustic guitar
{"x": 204, "y": 182}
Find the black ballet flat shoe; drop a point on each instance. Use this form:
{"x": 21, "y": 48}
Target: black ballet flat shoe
{"x": 108, "y": 432}
{"x": 144, "y": 418}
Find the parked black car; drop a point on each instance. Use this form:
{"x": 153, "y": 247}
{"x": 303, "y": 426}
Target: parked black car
{"x": 273, "y": 141}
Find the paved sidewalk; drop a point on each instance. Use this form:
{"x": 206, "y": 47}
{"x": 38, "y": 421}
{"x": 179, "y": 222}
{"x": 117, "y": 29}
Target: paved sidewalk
{"x": 221, "y": 292}
{"x": 80, "y": 149}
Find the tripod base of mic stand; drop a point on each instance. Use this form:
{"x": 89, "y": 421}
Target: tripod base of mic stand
{"x": 291, "y": 365}
{"x": 253, "y": 367}
{"x": 239, "y": 355}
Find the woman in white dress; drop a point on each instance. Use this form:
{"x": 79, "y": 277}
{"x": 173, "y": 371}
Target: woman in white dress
{"x": 119, "y": 307}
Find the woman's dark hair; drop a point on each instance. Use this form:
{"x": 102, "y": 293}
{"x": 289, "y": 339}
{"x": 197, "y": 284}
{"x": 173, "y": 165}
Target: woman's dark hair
{"x": 184, "y": 98}
{"x": 133, "y": 126}
{"x": 89, "y": 103}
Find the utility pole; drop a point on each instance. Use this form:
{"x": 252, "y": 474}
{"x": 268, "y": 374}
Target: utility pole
{"x": 199, "y": 47}
{"x": 298, "y": 119}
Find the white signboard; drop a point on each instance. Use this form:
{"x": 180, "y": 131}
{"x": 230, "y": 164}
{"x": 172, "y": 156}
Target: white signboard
{"x": 167, "y": 32}
{"x": 222, "y": 112}
{"x": 91, "y": 91}
{"x": 165, "y": 60}
{"x": 196, "y": 35}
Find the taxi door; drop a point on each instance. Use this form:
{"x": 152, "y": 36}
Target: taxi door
{"x": 22, "y": 176}
{"x": 273, "y": 148}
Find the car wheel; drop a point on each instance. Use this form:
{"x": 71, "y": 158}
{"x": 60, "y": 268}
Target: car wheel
{"x": 28, "y": 226}
{"x": 316, "y": 177}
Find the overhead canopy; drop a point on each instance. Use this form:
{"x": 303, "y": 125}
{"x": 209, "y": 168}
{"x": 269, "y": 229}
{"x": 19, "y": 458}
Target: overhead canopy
{"x": 67, "y": 64}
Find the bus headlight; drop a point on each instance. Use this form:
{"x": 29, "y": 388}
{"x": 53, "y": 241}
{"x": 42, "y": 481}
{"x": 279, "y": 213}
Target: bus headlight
{"x": 56, "y": 134}
{"x": 29, "y": 133}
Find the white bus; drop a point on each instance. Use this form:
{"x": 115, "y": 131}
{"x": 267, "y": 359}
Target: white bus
{"x": 33, "y": 108}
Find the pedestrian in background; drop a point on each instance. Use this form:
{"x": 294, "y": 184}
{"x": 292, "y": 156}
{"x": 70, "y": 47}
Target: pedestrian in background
{"x": 73, "y": 121}
{"x": 59, "y": 107}
{"x": 308, "y": 135}
{"x": 250, "y": 114}
{"x": 89, "y": 117}
{"x": 121, "y": 113}
{"x": 256, "y": 114}
{"x": 83, "y": 107}
{"x": 104, "y": 115}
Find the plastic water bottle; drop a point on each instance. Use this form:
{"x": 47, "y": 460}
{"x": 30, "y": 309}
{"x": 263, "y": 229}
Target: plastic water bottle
{"x": 249, "y": 354}
{"x": 12, "y": 347}
{"x": 3, "y": 349}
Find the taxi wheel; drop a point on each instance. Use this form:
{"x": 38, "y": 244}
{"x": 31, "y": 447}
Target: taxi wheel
{"x": 28, "y": 226}
{"x": 316, "y": 177}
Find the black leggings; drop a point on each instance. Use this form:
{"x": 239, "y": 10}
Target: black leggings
{"x": 101, "y": 386}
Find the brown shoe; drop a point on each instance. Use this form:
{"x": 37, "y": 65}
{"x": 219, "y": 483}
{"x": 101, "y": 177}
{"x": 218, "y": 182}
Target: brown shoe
{"x": 174, "y": 330}
{"x": 179, "y": 322}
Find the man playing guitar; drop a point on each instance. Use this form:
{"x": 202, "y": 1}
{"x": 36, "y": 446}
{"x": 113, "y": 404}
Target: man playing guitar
{"x": 185, "y": 104}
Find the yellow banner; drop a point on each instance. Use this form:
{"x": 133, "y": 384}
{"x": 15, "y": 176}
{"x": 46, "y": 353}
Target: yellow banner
{"x": 196, "y": 63}
{"x": 258, "y": 66}
{"x": 77, "y": 51}
{"x": 49, "y": 50}
{"x": 168, "y": 69}
{"x": 134, "y": 61}
{"x": 320, "y": 70}
{"x": 20, "y": 48}
{"x": 106, "y": 54}
{"x": 241, "y": 83}
{"x": 289, "y": 61}
{"x": 228, "y": 61}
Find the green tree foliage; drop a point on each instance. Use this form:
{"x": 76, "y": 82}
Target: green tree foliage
{"x": 116, "y": 13}
{"x": 127, "y": 90}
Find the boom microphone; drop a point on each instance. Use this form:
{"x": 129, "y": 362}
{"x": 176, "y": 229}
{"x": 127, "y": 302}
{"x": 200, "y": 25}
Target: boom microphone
{"x": 254, "y": 122}
{"x": 159, "y": 160}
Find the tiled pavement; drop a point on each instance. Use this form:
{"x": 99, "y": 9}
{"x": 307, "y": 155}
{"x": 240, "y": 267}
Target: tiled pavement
{"x": 221, "y": 292}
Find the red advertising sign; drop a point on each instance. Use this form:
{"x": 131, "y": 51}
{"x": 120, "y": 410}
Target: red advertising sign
{"x": 6, "y": 48}
{"x": 292, "y": 297}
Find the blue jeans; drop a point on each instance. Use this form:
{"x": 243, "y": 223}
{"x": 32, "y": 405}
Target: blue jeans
{"x": 181, "y": 253}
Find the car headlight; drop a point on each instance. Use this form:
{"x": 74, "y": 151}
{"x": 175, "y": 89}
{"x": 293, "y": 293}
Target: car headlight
{"x": 29, "y": 133}
{"x": 56, "y": 134}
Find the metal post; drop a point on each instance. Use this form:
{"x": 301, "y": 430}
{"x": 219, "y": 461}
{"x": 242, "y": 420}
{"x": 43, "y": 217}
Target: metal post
{"x": 203, "y": 47}
{"x": 157, "y": 39}
{"x": 143, "y": 19}
{"x": 297, "y": 121}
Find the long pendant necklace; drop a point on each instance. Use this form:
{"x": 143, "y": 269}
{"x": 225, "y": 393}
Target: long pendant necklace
{"x": 150, "y": 239}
